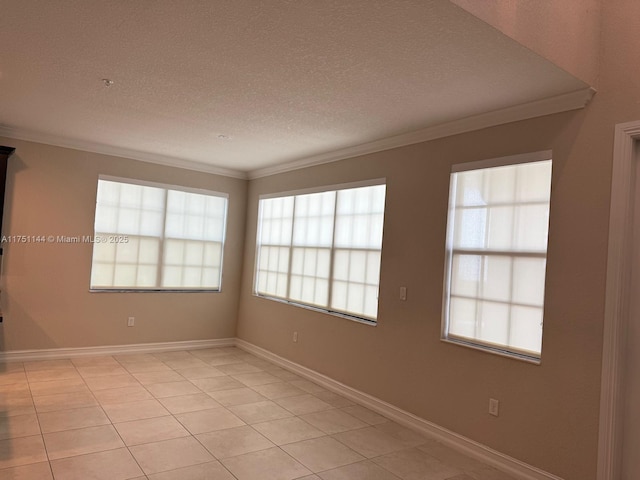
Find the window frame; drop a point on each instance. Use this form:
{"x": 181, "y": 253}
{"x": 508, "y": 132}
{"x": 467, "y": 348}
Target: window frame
{"x": 166, "y": 187}
{"x": 305, "y": 191}
{"x": 478, "y": 344}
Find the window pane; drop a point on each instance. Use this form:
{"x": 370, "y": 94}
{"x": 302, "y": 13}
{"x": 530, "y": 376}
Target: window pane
{"x": 147, "y": 276}
{"x": 532, "y": 226}
{"x": 494, "y": 323}
{"x": 500, "y": 235}
{"x": 470, "y": 228}
{"x": 148, "y": 215}
{"x": 496, "y": 278}
{"x": 526, "y": 329}
{"x": 497, "y": 241}
{"x": 337, "y": 240}
{"x": 125, "y": 275}
{"x": 528, "y": 281}
{"x": 102, "y": 275}
{"x": 462, "y": 317}
{"x": 500, "y": 185}
{"x": 534, "y": 182}
{"x": 313, "y": 221}
{"x": 309, "y": 269}
{"x": 149, "y": 250}
{"x": 465, "y": 277}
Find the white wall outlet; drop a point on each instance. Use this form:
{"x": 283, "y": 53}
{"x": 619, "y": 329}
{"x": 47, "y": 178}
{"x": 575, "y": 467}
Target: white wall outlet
{"x": 403, "y": 293}
{"x": 494, "y": 407}
{"x": 131, "y": 321}
{"x": 295, "y": 336}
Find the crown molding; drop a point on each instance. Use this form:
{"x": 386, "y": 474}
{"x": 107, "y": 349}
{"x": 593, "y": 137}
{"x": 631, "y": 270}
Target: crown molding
{"x": 547, "y": 106}
{"x": 561, "y": 103}
{"x": 75, "y": 144}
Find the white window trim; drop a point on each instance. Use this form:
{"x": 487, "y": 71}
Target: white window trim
{"x": 166, "y": 186}
{"x": 305, "y": 191}
{"x": 476, "y": 344}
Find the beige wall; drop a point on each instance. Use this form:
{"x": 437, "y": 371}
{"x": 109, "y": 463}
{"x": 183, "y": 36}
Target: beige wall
{"x": 549, "y": 413}
{"x": 567, "y": 32}
{"x": 46, "y": 298}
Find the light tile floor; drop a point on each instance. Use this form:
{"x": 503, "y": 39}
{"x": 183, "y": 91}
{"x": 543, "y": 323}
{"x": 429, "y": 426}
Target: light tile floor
{"x": 215, "y": 414}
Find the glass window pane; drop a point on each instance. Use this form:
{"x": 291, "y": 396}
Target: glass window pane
{"x": 528, "y": 281}
{"x": 104, "y": 252}
{"x": 462, "y": 317}
{"x": 173, "y": 252}
{"x": 499, "y": 215}
{"x": 341, "y": 265}
{"x": 370, "y": 302}
{"x": 357, "y": 266}
{"x": 148, "y": 250}
{"x": 339, "y": 296}
{"x": 128, "y": 221}
{"x": 212, "y": 254}
{"x": 500, "y": 235}
{"x": 493, "y": 326}
{"x": 526, "y": 329}
{"x": 532, "y": 226}
{"x": 357, "y": 232}
{"x": 496, "y": 278}
{"x": 127, "y": 252}
{"x": 373, "y": 268}
{"x": 147, "y": 276}
{"x": 470, "y": 228}
{"x": 102, "y": 275}
{"x": 470, "y": 188}
{"x": 191, "y": 276}
{"x": 534, "y": 182}
{"x": 145, "y": 214}
{"x": 171, "y": 276}
{"x": 106, "y": 219}
{"x": 355, "y": 298}
{"x": 108, "y": 193}
{"x": 125, "y": 275}
{"x": 211, "y": 277}
{"x": 194, "y": 253}
{"x": 465, "y": 278}
{"x": 501, "y": 184}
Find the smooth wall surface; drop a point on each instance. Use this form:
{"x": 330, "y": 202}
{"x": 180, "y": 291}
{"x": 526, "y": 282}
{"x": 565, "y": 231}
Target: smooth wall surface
{"x": 549, "y": 412}
{"x": 566, "y": 32}
{"x": 46, "y": 299}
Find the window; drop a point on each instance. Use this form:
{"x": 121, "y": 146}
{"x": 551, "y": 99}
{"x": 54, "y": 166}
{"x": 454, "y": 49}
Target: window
{"x": 157, "y": 237}
{"x": 322, "y": 249}
{"x": 496, "y": 254}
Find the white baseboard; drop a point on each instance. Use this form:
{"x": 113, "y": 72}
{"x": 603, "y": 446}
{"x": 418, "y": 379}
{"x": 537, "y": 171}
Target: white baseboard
{"x": 56, "y": 353}
{"x": 512, "y": 466}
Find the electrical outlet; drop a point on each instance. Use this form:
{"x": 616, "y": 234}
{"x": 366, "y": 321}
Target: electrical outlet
{"x": 131, "y": 322}
{"x": 494, "y": 406}
{"x": 295, "y": 336}
{"x": 403, "y": 293}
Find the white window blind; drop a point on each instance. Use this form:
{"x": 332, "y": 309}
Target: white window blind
{"x": 155, "y": 237}
{"x": 322, "y": 249}
{"x": 496, "y": 256}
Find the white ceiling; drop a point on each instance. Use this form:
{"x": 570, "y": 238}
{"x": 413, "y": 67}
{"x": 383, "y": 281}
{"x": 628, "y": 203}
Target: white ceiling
{"x": 285, "y": 80}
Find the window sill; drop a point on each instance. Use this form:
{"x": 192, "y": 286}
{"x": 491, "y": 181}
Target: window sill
{"x": 150, "y": 290}
{"x": 353, "y": 318}
{"x": 494, "y": 350}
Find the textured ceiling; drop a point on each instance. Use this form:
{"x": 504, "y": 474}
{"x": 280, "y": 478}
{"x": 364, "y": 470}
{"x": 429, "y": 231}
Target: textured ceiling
{"x": 283, "y": 79}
